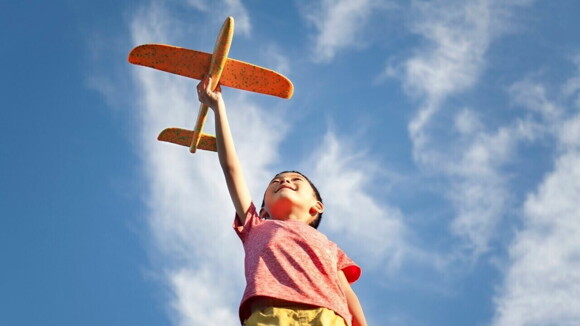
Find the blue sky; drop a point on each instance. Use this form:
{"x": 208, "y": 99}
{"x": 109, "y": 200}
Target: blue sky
{"x": 444, "y": 137}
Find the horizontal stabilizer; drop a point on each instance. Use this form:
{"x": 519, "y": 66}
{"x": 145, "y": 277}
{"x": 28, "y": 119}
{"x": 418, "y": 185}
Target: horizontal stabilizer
{"x": 195, "y": 64}
{"x": 184, "y": 137}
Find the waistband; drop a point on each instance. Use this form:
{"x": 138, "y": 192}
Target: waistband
{"x": 260, "y": 303}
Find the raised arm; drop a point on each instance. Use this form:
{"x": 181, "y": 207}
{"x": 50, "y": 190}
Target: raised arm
{"x": 228, "y": 157}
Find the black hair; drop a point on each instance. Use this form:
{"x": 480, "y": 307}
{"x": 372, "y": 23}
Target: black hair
{"x": 316, "y": 222}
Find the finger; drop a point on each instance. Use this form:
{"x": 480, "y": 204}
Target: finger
{"x": 208, "y": 85}
{"x": 202, "y": 83}
{"x": 200, "y": 86}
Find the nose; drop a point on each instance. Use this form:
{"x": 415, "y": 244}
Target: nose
{"x": 286, "y": 180}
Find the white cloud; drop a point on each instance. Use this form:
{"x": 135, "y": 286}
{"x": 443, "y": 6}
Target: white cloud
{"x": 219, "y": 10}
{"x": 457, "y": 35}
{"x": 542, "y": 286}
{"x": 542, "y": 283}
{"x": 339, "y": 24}
{"x": 570, "y": 132}
{"x": 532, "y": 96}
{"x": 371, "y": 228}
{"x": 236, "y": 9}
{"x": 467, "y": 122}
{"x": 198, "y": 4}
{"x": 275, "y": 59}
{"x": 194, "y": 286}
{"x": 572, "y": 86}
{"x": 478, "y": 190}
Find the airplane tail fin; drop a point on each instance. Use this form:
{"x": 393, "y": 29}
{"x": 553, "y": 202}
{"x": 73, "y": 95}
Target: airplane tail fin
{"x": 184, "y": 137}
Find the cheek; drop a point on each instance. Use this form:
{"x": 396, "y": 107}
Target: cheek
{"x": 268, "y": 195}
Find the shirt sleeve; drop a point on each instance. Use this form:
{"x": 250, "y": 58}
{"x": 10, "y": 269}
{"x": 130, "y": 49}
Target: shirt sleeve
{"x": 350, "y": 269}
{"x": 251, "y": 220}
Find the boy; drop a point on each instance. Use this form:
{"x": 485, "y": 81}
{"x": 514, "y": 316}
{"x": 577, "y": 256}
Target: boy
{"x": 294, "y": 274}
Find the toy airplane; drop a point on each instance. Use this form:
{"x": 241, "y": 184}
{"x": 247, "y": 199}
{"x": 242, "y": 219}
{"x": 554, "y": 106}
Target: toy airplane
{"x": 225, "y": 71}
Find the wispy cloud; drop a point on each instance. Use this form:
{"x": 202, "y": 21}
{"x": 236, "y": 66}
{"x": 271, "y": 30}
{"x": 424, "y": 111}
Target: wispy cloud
{"x": 218, "y": 10}
{"x": 533, "y": 97}
{"x": 344, "y": 173}
{"x": 542, "y": 281}
{"x": 457, "y": 35}
{"x": 340, "y": 24}
{"x": 479, "y": 189}
{"x": 277, "y": 61}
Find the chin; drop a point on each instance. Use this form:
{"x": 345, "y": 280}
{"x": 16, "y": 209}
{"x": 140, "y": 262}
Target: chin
{"x": 282, "y": 196}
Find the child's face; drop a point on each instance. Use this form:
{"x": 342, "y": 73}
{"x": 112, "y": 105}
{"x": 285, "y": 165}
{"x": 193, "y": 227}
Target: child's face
{"x": 291, "y": 193}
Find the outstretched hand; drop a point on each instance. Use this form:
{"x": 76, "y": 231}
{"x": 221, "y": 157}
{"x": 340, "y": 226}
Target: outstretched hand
{"x": 206, "y": 96}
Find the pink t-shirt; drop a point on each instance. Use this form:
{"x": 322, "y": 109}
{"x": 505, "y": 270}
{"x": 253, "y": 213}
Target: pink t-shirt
{"x": 292, "y": 261}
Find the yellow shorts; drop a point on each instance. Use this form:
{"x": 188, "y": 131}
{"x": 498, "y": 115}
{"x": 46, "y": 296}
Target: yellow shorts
{"x": 293, "y": 316}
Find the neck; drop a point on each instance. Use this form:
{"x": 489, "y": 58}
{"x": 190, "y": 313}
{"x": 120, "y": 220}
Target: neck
{"x": 291, "y": 213}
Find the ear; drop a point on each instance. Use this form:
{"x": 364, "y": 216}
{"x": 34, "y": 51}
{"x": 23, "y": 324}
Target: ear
{"x": 264, "y": 214}
{"x": 316, "y": 209}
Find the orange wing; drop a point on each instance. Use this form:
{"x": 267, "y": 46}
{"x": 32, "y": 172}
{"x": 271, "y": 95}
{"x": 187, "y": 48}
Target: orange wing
{"x": 194, "y": 64}
{"x": 184, "y": 137}
{"x": 249, "y": 77}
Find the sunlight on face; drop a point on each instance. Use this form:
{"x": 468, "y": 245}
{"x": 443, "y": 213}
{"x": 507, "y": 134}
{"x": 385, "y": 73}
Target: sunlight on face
{"x": 290, "y": 195}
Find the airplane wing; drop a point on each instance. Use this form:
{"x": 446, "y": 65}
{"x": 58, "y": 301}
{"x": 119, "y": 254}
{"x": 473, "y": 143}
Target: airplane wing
{"x": 194, "y": 64}
{"x": 184, "y": 137}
